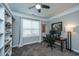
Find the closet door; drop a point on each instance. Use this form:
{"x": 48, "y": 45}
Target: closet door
{"x": 43, "y": 28}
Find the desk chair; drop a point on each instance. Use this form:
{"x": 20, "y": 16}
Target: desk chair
{"x": 50, "y": 40}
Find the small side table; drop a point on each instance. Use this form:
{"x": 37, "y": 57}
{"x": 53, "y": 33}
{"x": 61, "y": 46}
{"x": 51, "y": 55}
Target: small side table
{"x": 62, "y": 40}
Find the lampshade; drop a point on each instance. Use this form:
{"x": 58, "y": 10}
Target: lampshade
{"x": 69, "y": 28}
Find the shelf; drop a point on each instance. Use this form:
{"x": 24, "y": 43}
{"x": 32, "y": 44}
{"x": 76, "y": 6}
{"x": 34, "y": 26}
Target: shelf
{"x": 8, "y": 40}
{"x": 2, "y": 13}
{"x": 7, "y": 51}
{"x": 8, "y": 32}
{"x": 1, "y": 20}
{"x": 1, "y": 47}
{"x": 1, "y": 33}
{"x": 1, "y": 51}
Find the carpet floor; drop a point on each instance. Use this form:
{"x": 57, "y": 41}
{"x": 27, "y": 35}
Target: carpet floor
{"x": 41, "y": 49}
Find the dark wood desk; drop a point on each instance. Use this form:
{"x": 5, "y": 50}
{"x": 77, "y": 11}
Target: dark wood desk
{"x": 61, "y": 41}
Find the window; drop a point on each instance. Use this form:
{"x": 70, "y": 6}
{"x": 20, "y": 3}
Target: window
{"x": 30, "y": 28}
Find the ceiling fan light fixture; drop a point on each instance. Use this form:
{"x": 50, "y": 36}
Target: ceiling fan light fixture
{"x": 38, "y": 6}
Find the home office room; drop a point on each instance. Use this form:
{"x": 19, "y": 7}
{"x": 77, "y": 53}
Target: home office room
{"x": 39, "y": 29}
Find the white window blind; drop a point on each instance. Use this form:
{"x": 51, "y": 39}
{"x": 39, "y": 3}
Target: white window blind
{"x": 30, "y": 28}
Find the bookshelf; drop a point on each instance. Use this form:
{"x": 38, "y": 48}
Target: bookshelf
{"x": 5, "y": 31}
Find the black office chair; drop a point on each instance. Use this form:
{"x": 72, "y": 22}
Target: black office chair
{"x": 54, "y": 36}
{"x": 50, "y": 40}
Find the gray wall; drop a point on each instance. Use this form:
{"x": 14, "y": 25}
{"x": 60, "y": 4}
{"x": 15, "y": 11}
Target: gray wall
{"x": 18, "y": 40}
{"x": 72, "y": 18}
{"x": 30, "y": 40}
{"x": 16, "y": 25}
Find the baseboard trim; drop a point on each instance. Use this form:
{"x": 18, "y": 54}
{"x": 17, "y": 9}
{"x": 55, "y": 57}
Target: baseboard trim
{"x": 75, "y": 50}
{"x": 27, "y": 44}
{"x": 30, "y": 43}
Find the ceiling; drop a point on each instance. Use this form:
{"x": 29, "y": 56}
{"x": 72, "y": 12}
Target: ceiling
{"x": 55, "y": 8}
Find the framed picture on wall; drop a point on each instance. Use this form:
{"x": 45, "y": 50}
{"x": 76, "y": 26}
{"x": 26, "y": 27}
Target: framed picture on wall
{"x": 57, "y": 26}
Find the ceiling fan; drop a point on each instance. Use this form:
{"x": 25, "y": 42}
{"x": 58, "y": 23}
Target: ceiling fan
{"x": 39, "y": 6}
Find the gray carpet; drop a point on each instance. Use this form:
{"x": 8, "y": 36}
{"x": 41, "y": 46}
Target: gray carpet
{"x": 41, "y": 49}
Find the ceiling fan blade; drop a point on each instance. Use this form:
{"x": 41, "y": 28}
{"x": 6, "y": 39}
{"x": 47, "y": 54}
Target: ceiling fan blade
{"x": 45, "y": 6}
{"x": 31, "y": 7}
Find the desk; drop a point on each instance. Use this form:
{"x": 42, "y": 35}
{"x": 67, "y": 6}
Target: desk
{"x": 61, "y": 41}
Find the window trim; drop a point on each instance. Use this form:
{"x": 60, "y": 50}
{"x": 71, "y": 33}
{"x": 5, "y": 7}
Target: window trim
{"x": 32, "y": 34}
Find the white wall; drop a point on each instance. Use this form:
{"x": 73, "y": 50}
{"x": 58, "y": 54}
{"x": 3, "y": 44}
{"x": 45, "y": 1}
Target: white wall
{"x": 72, "y": 18}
